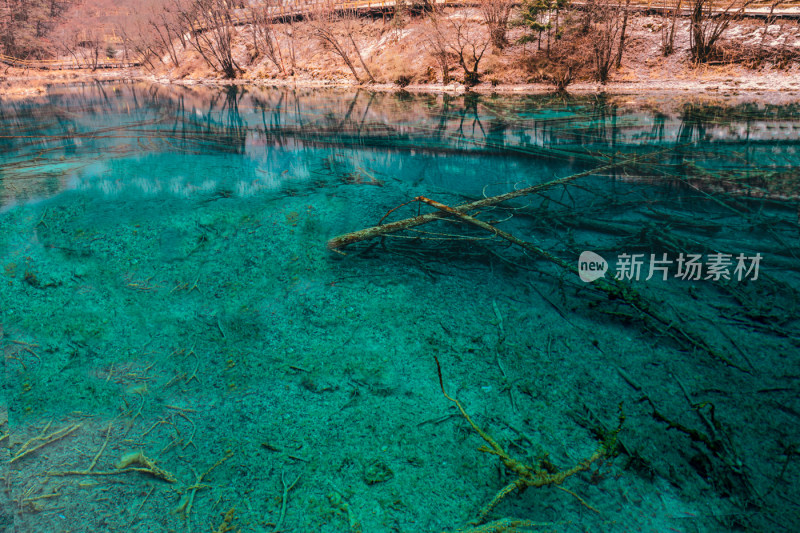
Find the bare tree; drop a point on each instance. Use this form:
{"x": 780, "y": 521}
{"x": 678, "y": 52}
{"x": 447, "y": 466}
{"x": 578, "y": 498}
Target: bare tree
{"x": 469, "y": 45}
{"x": 610, "y": 23}
{"x": 265, "y": 38}
{"x": 210, "y": 25}
{"x": 84, "y": 43}
{"x": 496, "y": 14}
{"x": 336, "y": 29}
{"x": 25, "y": 26}
{"x": 289, "y": 33}
{"x": 668, "y": 28}
{"x": 460, "y": 35}
{"x": 707, "y": 25}
{"x": 436, "y": 43}
{"x": 137, "y": 36}
{"x": 92, "y": 47}
{"x": 164, "y": 20}
{"x": 151, "y": 29}
{"x": 622, "y": 34}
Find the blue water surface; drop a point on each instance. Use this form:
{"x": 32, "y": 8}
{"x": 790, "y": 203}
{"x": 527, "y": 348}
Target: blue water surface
{"x": 183, "y": 351}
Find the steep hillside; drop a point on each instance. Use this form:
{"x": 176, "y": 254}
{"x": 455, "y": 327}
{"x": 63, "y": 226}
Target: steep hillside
{"x": 402, "y": 51}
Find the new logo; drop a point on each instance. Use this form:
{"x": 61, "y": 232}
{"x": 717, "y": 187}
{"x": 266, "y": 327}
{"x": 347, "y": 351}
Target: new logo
{"x": 591, "y": 266}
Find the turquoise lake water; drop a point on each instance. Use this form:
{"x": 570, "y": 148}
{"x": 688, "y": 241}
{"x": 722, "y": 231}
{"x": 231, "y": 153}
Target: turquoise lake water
{"x": 183, "y": 352}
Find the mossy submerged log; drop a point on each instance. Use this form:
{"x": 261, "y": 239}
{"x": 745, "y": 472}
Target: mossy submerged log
{"x": 384, "y": 229}
{"x": 615, "y": 290}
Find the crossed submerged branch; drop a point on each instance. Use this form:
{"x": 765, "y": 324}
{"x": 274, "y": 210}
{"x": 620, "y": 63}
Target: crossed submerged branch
{"x": 615, "y": 289}
{"x": 540, "y": 474}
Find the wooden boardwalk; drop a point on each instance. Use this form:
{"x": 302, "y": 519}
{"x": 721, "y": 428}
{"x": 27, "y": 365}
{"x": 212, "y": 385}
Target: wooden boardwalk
{"x": 293, "y": 9}
{"x": 61, "y": 64}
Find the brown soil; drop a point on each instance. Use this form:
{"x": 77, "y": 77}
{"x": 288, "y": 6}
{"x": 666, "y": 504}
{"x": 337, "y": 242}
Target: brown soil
{"x": 393, "y": 51}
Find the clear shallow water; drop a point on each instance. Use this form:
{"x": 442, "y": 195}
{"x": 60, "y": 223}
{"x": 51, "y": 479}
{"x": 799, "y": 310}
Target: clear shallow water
{"x": 166, "y": 289}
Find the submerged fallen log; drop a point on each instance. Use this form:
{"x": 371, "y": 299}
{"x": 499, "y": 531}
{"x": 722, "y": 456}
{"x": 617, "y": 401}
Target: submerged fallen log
{"x": 614, "y": 289}
{"x": 341, "y": 241}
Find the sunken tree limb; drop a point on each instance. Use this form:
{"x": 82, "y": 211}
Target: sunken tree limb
{"x": 614, "y": 288}
{"x": 377, "y": 231}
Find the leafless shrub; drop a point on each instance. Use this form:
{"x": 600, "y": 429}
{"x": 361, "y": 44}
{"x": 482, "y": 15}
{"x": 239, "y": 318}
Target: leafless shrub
{"x": 569, "y": 59}
{"x": 457, "y": 35}
{"x": 403, "y": 80}
{"x": 707, "y": 24}
{"x": 769, "y": 19}
{"x": 394, "y": 67}
{"x": 668, "y": 28}
{"x": 210, "y": 27}
{"x": 496, "y": 14}
{"x": 336, "y": 29}
{"x": 753, "y": 56}
{"x": 265, "y": 38}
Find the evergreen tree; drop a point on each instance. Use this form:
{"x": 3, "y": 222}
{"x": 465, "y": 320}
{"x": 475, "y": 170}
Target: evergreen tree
{"x": 538, "y": 17}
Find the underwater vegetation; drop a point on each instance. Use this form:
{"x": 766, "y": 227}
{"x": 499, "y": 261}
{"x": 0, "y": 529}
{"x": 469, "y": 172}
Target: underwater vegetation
{"x": 532, "y": 313}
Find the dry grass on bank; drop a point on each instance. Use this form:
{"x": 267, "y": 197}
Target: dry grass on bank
{"x": 398, "y": 52}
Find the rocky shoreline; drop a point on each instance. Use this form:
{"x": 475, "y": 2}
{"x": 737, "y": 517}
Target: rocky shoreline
{"x": 22, "y": 85}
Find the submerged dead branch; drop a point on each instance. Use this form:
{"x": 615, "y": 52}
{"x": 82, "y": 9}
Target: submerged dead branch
{"x": 42, "y": 440}
{"x": 541, "y": 474}
{"x": 377, "y": 231}
{"x": 616, "y": 290}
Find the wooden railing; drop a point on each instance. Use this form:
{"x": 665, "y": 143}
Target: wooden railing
{"x": 65, "y": 64}
{"x": 759, "y": 9}
{"x": 295, "y": 8}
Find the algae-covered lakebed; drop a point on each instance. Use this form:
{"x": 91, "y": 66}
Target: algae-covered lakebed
{"x": 617, "y": 349}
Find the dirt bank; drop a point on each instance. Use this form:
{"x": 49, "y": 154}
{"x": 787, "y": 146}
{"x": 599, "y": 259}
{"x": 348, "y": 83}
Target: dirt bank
{"x": 395, "y": 52}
